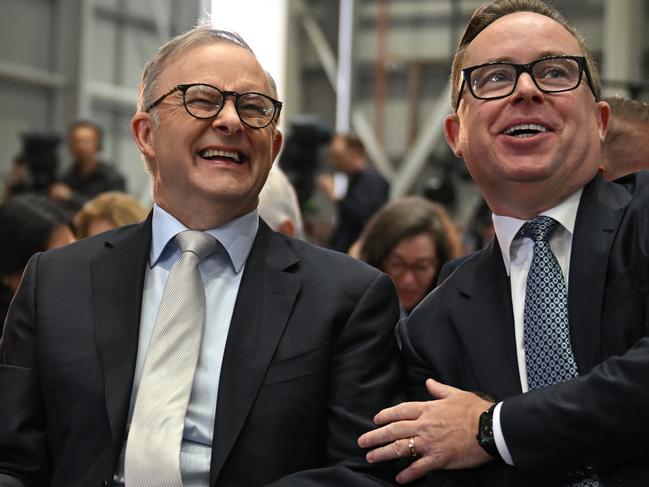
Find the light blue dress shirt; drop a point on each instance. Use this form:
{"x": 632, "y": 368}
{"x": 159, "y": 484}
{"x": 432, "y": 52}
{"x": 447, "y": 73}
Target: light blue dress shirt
{"x": 221, "y": 273}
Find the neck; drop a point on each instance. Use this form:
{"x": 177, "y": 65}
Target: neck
{"x": 200, "y": 218}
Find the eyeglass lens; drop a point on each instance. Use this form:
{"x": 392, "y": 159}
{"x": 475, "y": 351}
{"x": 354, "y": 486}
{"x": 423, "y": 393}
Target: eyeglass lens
{"x": 397, "y": 267}
{"x": 204, "y": 101}
{"x": 495, "y": 80}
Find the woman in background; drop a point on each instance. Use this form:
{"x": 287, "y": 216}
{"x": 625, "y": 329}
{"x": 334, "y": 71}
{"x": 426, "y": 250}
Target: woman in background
{"x": 410, "y": 239}
{"x": 29, "y": 224}
{"x": 107, "y": 211}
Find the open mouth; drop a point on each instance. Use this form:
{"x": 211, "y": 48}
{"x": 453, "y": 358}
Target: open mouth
{"x": 525, "y": 130}
{"x": 222, "y": 155}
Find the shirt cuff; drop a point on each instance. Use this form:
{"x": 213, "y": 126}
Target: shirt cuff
{"x": 499, "y": 438}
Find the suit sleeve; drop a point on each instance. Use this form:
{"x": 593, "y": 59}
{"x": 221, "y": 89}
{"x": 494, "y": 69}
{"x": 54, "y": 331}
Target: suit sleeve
{"x": 597, "y": 420}
{"x": 365, "y": 377}
{"x": 23, "y": 441}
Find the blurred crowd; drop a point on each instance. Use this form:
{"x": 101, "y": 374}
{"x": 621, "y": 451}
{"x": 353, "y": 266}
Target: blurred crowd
{"x": 324, "y": 189}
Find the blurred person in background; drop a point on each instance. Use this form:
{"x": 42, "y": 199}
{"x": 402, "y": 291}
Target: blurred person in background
{"x": 30, "y": 224}
{"x": 366, "y": 191}
{"x": 107, "y": 211}
{"x": 278, "y": 205}
{"x": 88, "y": 176}
{"x": 626, "y": 146}
{"x": 410, "y": 239}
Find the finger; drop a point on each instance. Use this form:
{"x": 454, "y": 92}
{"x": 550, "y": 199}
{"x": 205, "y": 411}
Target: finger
{"x": 387, "y": 434}
{"x": 439, "y": 390}
{"x": 400, "y": 412}
{"x": 417, "y": 469}
{"x": 396, "y": 449}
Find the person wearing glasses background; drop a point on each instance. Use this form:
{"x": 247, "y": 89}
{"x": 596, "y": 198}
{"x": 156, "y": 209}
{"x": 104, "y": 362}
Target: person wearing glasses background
{"x": 410, "y": 239}
{"x": 528, "y": 365}
{"x": 297, "y": 346}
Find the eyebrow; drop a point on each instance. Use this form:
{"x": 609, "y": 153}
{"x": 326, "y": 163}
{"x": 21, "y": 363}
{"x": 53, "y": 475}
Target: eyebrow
{"x": 543, "y": 54}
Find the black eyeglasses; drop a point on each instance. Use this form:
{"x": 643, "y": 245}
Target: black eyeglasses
{"x": 553, "y": 74}
{"x": 203, "y": 101}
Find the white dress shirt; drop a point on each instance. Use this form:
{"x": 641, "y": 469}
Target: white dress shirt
{"x": 517, "y": 258}
{"x": 221, "y": 273}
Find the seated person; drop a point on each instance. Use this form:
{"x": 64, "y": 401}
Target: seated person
{"x": 30, "y": 224}
{"x": 278, "y": 205}
{"x": 410, "y": 239}
{"x": 107, "y": 211}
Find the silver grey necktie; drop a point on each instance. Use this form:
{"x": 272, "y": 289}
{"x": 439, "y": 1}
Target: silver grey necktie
{"x": 153, "y": 444}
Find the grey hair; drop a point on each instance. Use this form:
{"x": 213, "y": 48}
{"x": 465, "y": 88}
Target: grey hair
{"x": 203, "y": 34}
{"x": 278, "y": 202}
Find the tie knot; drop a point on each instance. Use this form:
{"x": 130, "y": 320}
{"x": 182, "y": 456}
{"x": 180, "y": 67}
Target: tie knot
{"x": 539, "y": 229}
{"x": 200, "y": 243}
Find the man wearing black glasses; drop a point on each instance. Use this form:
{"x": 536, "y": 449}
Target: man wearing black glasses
{"x": 546, "y": 327}
{"x": 266, "y": 375}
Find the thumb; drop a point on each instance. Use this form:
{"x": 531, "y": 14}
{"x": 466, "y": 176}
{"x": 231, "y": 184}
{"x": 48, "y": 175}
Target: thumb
{"x": 439, "y": 390}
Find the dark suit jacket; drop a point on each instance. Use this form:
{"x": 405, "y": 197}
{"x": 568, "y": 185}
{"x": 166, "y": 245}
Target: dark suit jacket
{"x": 310, "y": 358}
{"x": 463, "y": 334}
{"x": 367, "y": 192}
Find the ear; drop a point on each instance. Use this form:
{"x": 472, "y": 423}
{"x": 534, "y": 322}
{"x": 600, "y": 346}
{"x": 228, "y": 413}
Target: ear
{"x": 278, "y": 137}
{"x": 603, "y": 114}
{"x": 141, "y": 128}
{"x": 452, "y": 133}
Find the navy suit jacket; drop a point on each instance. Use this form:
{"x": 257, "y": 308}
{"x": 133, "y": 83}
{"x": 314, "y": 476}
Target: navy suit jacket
{"x": 463, "y": 334}
{"x": 309, "y": 359}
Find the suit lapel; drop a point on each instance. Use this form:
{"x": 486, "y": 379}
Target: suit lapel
{"x": 264, "y": 303}
{"x": 600, "y": 210}
{"x": 117, "y": 282}
{"x": 486, "y": 323}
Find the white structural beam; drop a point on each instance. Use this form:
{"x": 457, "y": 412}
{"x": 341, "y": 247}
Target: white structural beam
{"x": 84, "y": 57}
{"x": 322, "y": 49}
{"x": 358, "y": 121}
{"x": 623, "y": 42}
{"x": 22, "y": 73}
{"x": 430, "y": 136}
{"x": 372, "y": 147}
{"x": 122, "y": 96}
{"x": 345, "y": 52}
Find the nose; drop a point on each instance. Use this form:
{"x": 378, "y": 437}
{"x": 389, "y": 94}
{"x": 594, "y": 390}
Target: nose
{"x": 228, "y": 120}
{"x": 408, "y": 277}
{"x": 526, "y": 90}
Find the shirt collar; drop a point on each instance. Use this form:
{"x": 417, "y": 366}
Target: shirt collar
{"x": 507, "y": 227}
{"x": 236, "y": 236}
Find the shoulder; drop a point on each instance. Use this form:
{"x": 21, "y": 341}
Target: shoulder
{"x": 84, "y": 250}
{"x": 328, "y": 264}
{"x": 325, "y": 275}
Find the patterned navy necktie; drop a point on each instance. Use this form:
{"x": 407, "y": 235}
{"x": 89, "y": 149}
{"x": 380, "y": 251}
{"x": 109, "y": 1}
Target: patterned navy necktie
{"x": 548, "y": 351}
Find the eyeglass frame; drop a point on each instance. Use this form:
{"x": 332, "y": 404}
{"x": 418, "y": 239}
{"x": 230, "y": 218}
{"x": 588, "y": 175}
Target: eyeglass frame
{"x": 277, "y": 105}
{"x": 414, "y": 267}
{"x": 525, "y": 68}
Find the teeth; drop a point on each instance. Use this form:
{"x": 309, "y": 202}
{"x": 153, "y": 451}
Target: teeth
{"x": 526, "y": 128}
{"x": 220, "y": 153}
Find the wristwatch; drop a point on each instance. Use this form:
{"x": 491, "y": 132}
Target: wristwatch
{"x": 485, "y": 434}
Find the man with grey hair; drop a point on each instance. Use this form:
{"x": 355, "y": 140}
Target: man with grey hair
{"x": 278, "y": 205}
{"x": 251, "y": 359}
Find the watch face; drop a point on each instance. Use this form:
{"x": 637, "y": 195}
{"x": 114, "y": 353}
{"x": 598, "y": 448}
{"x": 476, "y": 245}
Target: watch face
{"x": 486, "y": 429}
{"x": 485, "y": 433}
